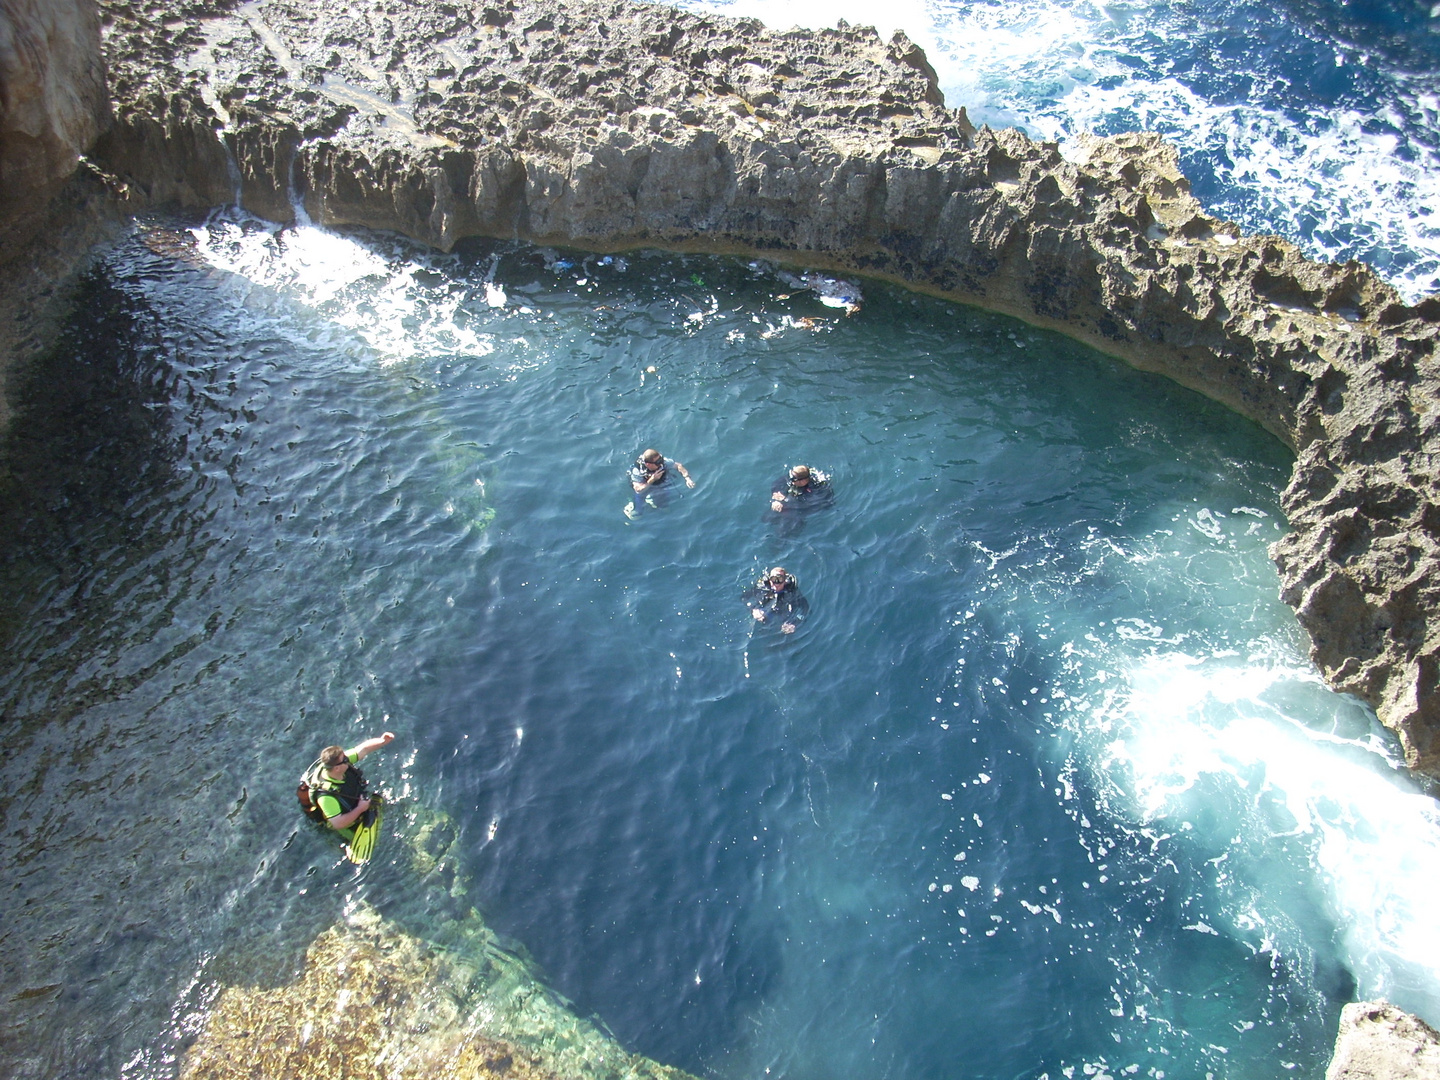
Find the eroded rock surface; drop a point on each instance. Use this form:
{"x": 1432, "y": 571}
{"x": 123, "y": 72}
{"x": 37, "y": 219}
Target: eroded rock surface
{"x": 607, "y": 124}
{"x": 373, "y": 1003}
{"x": 53, "y": 103}
{"x": 1379, "y": 1042}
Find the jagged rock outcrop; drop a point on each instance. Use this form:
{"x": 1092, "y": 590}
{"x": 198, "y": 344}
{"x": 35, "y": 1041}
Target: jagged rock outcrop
{"x": 53, "y": 103}
{"x": 1379, "y": 1042}
{"x": 608, "y": 123}
{"x": 371, "y": 1001}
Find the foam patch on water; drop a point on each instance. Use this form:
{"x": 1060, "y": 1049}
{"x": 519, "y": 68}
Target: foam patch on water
{"x": 1329, "y": 183}
{"x": 393, "y": 301}
{"x": 1373, "y": 838}
{"x": 1223, "y": 738}
{"x": 1342, "y": 183}
{"x": 1218, "y": 740}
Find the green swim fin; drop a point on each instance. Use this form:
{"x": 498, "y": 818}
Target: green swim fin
{"x": 367, "y": 833}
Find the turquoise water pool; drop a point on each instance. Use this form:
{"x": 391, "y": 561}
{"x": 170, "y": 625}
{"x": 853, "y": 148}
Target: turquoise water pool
{"x": 1043, "y": 786}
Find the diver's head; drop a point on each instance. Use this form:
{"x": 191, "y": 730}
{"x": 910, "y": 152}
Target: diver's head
{"x": 800, "y": 474}
{"x": 652, "y": 459}
{"x": 333, "y": 756}
{"x": 777, "y": 577}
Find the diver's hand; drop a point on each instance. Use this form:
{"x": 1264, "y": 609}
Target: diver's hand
{"x": 777, "y": 504}
{"x": 787, "y": 628}
{"x": 387, "y": 737}
{"x": 363, "y": 804}
{"x": 689, "y": 483}
{"x": 758, "y": 613}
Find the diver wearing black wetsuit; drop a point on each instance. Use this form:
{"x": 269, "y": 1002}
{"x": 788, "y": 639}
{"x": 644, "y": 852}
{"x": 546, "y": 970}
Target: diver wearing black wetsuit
{"x": 802, "y": 488}
{"x": 648, "y": 473}
{"x": 776, "y": 597}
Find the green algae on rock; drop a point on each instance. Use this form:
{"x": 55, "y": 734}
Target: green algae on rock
{"x": 374, "y": 1002}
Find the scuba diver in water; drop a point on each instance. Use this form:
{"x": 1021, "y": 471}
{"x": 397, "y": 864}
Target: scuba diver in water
{"x": 776, "y": 596}
{"x": 802, "y": 488}
{"x": 333, "y": 792}
{"x": 648, "y": 473}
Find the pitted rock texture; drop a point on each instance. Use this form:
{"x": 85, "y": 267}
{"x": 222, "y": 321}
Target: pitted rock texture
{"x": 53, "y": 103}
{"x": 373, "y": 1003}
{"x": 608, "y": 124}
{"x": 1379, "y": 1042}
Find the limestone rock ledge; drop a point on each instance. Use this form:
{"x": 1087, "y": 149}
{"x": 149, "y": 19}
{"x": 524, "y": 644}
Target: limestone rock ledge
{"x": 1379, "y": 1042}
{"x": 608, "y": 123}
{"x": 373, "y": 1003}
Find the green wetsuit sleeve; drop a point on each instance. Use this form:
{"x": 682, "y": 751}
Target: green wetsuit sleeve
{"x": 329, "y": 805}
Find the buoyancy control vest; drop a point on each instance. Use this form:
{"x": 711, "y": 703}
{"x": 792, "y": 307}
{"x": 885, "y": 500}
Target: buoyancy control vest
{"x": 818, "y": 480}
{"x": 769, "y": 596}
{"x": 347, "y": 791}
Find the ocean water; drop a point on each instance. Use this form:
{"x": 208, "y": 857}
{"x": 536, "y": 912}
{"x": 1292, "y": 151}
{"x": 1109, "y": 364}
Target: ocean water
{"x": 1318, "y": 120}
{"x": 1044, "y": 787}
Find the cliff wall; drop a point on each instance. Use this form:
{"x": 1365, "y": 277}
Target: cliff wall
{"x": 53, "y": 103}
{"x": 1379, "y": 1042}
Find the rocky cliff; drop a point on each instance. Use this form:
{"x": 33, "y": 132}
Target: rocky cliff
{"x": 1379, "y": 1042}
{"x": 53, "y": 103}
{"x": 606, "y": 124}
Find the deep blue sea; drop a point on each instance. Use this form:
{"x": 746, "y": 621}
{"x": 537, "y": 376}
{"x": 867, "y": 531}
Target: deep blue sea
{"x": 1044, "y": 787}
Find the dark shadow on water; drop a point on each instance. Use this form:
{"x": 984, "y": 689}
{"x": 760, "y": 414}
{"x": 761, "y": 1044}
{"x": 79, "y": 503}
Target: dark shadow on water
{"x": 90, "y": 458}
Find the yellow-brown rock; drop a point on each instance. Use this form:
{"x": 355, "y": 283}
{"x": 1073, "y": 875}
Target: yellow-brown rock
{"x": 374, "y": 1003}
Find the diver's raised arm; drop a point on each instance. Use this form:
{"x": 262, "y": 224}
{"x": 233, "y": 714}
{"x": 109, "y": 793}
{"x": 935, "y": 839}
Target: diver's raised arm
{"x": 369, "y": 746}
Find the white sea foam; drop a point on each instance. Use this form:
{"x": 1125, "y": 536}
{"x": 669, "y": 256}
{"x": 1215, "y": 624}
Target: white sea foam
{"x": 1189, "y": 725}
{"x": 390, "y": 302}
{"x": 1221, "y": 742}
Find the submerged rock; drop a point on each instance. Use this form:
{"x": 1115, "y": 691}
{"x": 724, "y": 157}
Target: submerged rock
{"x": 1379, "y": 1042}
{"x": 373, "y": 1003}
